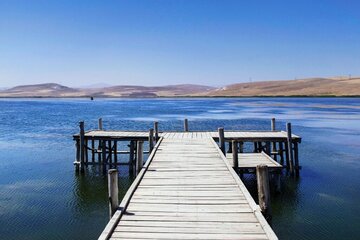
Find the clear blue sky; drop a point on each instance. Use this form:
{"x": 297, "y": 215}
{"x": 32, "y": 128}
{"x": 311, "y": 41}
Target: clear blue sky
{"x": 161, "y": 42}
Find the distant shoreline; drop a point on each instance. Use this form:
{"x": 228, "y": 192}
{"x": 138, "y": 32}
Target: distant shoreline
{"x": 160, "y": 97}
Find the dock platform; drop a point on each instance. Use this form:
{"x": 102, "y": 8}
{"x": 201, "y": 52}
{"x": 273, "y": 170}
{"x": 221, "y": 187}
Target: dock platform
{"x": 188, "y": 190}
{"x": 189, "y": 187}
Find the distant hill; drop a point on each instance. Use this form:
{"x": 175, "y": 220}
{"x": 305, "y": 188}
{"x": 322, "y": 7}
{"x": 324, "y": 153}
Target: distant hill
{"x": 303, "y": 87}
{"x": 56, "y": 90}
{"x": 339, "y": 86}
{"x": 39, "y": 90}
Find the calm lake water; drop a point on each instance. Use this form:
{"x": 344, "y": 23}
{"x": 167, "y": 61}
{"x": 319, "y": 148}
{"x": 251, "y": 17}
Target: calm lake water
{"x": 41, "y": 197}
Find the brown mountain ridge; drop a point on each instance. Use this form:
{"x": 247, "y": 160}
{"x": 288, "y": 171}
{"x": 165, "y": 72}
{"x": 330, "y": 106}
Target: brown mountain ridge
{"x": 337, "y": 86}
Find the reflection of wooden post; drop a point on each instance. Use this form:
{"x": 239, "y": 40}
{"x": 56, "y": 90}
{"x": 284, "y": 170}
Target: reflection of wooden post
{"x": 186, "y": 125}
{"x": 113, "y": 191}
{"x": 151, "y": 140}
{"x": 235, "y": 156}
{"x": 222, "y": 140}
{"x": 82, "y": 146}
{"x": 262, "y": 175}
{"x": 156, "y": 129}
{"x": 296, "y": 158}
{"x": 289, "y": 148}
{"x": 139, "y": 156}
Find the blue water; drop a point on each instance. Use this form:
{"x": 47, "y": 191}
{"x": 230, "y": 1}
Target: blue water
{"x": 41, "y": 197}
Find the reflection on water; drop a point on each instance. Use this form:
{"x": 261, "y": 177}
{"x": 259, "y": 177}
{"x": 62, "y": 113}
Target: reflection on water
{"x": 41, "y": 197}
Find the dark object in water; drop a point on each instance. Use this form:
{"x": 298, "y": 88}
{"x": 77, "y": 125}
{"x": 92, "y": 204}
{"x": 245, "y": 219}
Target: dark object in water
{"x": 91, "y": 98}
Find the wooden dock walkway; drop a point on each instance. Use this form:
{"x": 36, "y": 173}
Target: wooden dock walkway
{"x": 190, "y": 186}
{"x": 187, "y": 190}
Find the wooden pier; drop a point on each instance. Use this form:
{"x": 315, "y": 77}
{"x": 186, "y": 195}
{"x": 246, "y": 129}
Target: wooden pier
{"x": 189, "y": 187}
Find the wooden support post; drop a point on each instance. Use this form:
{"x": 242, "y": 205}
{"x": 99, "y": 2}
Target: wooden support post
{"x": 230, "y": 147}
{"x": 287, "y": 156}
{"x": 139, "y": 156}
{"x": 151, "y": 140}
{"x": 115, "y": 152}
{"x": 262, "y": 176}
{"x": 82, "y": 146}
{"x": 241, "y": 147}
{"x": 92, "y": 151}
{"x": 77, "y": 157}
{"x": 289, "y": 148}
{"x": 131, "y": 157}
{"x": 235, "y": 155}
{"x": 86, "y": 151}
{"x": 267, "y": 148}
{"x": 186, "y": 125}
{"x": 273, "y": 127}
{"x": 110, "y": 152}
{"x": 222, "y": 140}
{"x": 255, "y": 147}
{"x": 281, "y": 153}
{"x": 156, "y": 129}
{"x": 103, "y": 151}
{"x": 100, "y": 124}
{"x": 113, "y": 191}
{"x": 296, "y": 158}
{"x": 99, "y": 151}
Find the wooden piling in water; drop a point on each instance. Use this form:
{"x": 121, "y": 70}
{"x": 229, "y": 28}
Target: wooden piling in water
{"x": 103, "y": 152}
{"x": 255, "y": 147}
{"x": 222, "y": 140}
{"x": 273, "y": 128}
{"x": 100, "y": 124}
{"x": 77, "y": 156}
{"x": 156, "y": 129}
{"x": 100, "y": 148}
{"x": 241, "y": 147}
{"x": 82, "y": 146}
{"x": 115, "y": 152}
{"x": 110, "y": 153}
{"x": 289, "y": 148}
{"x": 151, "y": 140}
{"x": 113, "y": 191}
{"x": 296, "y": 159}
{"x": 267, "y": 148}
{"x": 281, "y": 152}
{"x": 131, "y": 156}
{"x": 230, "y": 147}
{"x": 262, "y": 176}
{"x": 92, "y": 151}
{"x": 139, "y": 156}
{"x": 86, "y": 151}
{"x": 235, "y": 155}
{"x": 186, "y": 125}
